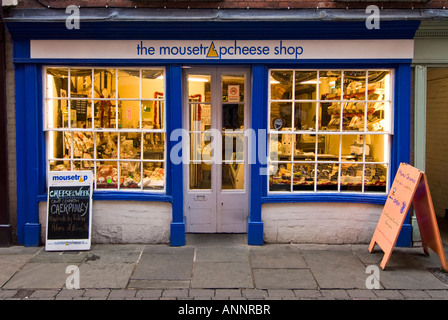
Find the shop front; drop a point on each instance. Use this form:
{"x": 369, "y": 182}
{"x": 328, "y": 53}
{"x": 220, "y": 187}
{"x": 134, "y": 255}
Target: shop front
{"x": 287, "y": 131}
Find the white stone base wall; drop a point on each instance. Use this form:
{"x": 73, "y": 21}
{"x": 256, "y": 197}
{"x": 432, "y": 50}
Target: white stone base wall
{"x": 125, "y": 221}
{"x": 326, "y": 223}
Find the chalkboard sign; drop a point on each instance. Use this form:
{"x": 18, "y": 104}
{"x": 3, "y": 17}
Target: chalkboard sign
{"x": 69, "y": 210}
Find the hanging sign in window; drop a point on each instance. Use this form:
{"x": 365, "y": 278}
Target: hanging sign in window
{"x": 410, "y": 186}
{"x": 69, "y": 210}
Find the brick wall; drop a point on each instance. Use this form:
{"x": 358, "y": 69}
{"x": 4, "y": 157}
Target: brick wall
{"x": 11, "y": 131}
{"x": 227, "y": 4}
{"x": 436, "y": 137}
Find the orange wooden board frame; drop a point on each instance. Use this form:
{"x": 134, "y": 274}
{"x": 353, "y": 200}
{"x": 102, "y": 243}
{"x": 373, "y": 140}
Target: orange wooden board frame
{"x": 409, "y": 186}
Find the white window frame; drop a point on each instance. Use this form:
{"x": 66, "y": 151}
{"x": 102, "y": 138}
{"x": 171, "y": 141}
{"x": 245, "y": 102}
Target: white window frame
{"x": 341, "y": 132}
{"x": 117, "y": 130}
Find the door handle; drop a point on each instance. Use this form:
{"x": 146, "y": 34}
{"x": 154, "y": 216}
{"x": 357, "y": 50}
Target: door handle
{"x": 200, "y": 197}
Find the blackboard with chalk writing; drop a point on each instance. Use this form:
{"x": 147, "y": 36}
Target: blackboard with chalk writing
{"x": 69, "y": 210}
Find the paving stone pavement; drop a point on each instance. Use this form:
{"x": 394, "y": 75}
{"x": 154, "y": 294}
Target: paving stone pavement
{"x": 219, "y": 267}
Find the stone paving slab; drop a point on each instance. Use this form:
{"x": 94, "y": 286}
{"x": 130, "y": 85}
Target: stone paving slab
{"x": 277, "y": 256}
{"x": 336, "y": 268}
{"x": 102, "y": 276}
{"x": 284, "y": 279}
{"x": 222, "y": 275}
{"x": 164, "y": 263}
{"x": 222, "y": 254}
{"x": 39, "y": 276}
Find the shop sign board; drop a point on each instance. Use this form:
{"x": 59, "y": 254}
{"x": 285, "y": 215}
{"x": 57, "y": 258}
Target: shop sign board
{"x": 409, "y": 186}
{"x": 216, "y": 50}
{"x": 69, "y": 210}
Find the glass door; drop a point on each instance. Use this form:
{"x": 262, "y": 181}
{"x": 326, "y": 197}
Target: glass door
{"x": 216, "y": 197}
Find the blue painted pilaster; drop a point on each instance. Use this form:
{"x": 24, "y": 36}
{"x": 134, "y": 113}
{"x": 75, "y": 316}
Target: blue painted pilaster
{"x": 258, "y": 160}
{"x": 175, "y": 175}
{"x": 402, "y": 137}
{"x": 29, "y": 138}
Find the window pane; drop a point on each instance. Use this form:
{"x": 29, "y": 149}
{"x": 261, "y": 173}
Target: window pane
{"x": 328, "y": 147}
{"x": 351, "y": 177}
{"x": 199, "y": 88}
{"x": 153, "y": 146}
{"x": 153, "y": 176}
{"x": 280, "y": 177}
{"x": 57, "y": 113}
{"x": 379, "y": 83}
{"x": 281, "y": 85}
{"x": 281, "y": 146}
{"x": 233, "y": 116}
{"x": 330, "y": 116}
{"x": 305, "y": 85}
{"x": 152, "y": 84}
{"x": 104, "y": 83}
{"x": 129, "y": 114}
{"x": 305, "y": 147}
{"x": 152, "y": 113}
{"x": 281, "y": 115}
{"x": 352, "y": 147}
{"x": 81, "y": 114}
{"x": 378, "y": 118}
{"x": 376, "y": 150}
{"x": 304, "y": 116}
{"x": 200, "y": 117}
{"x": 106, "y": 175}
{"x": 200, "y": 175}
{"x": 330, "y": 85}
{"x": 353, "y": 115}
{"x": 354, "y": 85}
{"x": 83, "y": 165}
{"x": 83, "y": 145}
{"x": 57, "y": 83}
{"x": 327, "y": 176}
{"x": 59, "y": 165}
{"x": 59, "y": 145}
{"x": 80, "y": 83}
{"x": 303, "y": 177}
{"x": 130, "y": 145}
{"x": 232, "y": 176}
{"x": 233, "y": 146}
{"x": 129, "y": 84}
{"x": 105, "y": 115}
{"x": 106, "y": 145}
{"x": 130, "y": 175}
{"x": 375, "y": 178}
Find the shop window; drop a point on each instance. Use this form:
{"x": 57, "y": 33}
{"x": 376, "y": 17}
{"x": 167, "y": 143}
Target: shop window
{"x": 329, "y": 130}
{"x": 110, "y": 121}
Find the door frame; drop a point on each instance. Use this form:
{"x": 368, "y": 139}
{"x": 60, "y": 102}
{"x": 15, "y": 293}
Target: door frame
{"x": 216, "y": 192}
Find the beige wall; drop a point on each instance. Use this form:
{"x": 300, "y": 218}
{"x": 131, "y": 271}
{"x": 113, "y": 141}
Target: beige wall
{"x": 11, "y": 131}
{"x": 436, "y": 137}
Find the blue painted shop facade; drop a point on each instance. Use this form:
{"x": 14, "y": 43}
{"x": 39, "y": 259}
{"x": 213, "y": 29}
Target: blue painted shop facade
{"x": 305, "y": 112}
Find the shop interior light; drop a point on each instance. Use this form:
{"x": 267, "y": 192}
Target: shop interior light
{"x": 273, "y": 81}
{"x": 310, "y": 82}
{"x": 50, "y": 115}
{"x": 194, "y": 79}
